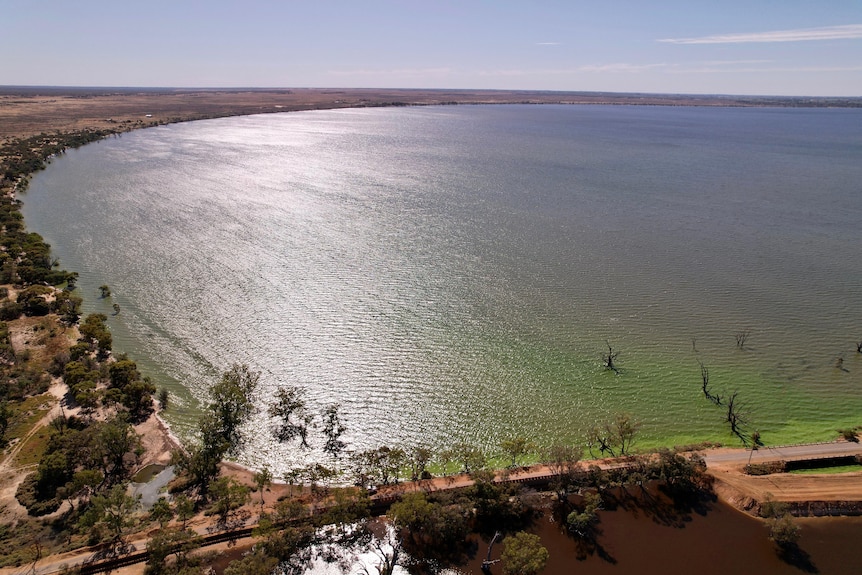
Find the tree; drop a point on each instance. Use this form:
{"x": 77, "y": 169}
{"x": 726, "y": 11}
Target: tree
{"x": 523, "y": 554}
{"x": 428, "y": 529}
{"x": 164, "y": 398}
{"x": 227, "y": 496}
{"x": 516, "y": 447}
{"x": 262, "y": 480}
{"x": 381, "y": 466}
{"x": 563, "y": 462}
{"x": 161, "y": 511}
{"x": 104, "y": 291}
{"x": 333, "y": 430}
{"x": 82, "y": 485}
{"x": 581, "y": 522}
{"x": 33, "y": 302}
{"x": 469, "y": 456}
{"x": 123, "y": 372}
{"x": 230, "y": 407}
{"x": 184, "y": 507}
{"x": 783, "y": 531}
{"x": 418, "y": 458}
{"x": 624, "y": 429}
{"x": 293, "y": 419}
{"x": 115, "y": 510}
{"x": 68, "y": 307}
{"x": 232, "y": 404}
{"x": 388, "y": 551}
{"x": 117, "y": 449}
{"x": 256, "y": 562}
{"x": 200, "y": 462}
{"x": 94, "y": 331}
{"x": 166, "y": 542}
{"x": 614, "y": 437}
{"x": 5, "y": 417}
{"x": 291, "y": 478}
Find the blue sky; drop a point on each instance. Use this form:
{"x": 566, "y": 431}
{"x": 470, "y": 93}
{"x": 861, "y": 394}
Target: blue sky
{"x": 781, "y": 47}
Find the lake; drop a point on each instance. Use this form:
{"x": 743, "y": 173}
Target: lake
{"x": 457, "y": 272}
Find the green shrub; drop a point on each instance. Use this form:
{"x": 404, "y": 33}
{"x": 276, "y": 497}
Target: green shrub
{"x": 28, "y": 496}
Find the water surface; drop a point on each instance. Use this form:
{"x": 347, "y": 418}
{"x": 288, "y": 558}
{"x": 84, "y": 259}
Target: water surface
{"x": 454, "y": 273}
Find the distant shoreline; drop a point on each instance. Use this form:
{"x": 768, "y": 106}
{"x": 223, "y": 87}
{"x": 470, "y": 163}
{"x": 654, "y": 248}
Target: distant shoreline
{"x": 26, "y": 111}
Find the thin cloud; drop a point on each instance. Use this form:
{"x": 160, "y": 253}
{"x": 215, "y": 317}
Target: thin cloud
{"x": 589, "y": 68}
{"x": 735, "y": 62}
{"x": 850, "y": 31}
{"x": 705, "y": 67}
{"x": 768, "y": 69}
{"x": 621, "y": 67}
{"x": 399, "y": 72}
{"x": 549, "y": 44}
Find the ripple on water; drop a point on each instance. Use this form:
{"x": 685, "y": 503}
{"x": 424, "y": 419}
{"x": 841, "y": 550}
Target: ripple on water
{"x": 455, "y": 274}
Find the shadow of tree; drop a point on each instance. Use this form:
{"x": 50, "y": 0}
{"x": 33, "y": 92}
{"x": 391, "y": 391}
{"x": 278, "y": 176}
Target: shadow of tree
{"x": 589, "y": 545}
{"x": 663, "y": 505}
{"x": 793, "y": 554}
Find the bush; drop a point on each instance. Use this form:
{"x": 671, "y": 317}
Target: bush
{"x": 11, "y": 311}
{"x": 766, "y": 468}
{"x": 850, "y": 434}
{"x": 33, "y": 301}
{"x": 28, "y": 496}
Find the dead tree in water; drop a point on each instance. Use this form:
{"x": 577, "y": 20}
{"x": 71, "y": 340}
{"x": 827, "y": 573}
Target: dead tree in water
{"x": 610, "y": 357}
{"x": 741, "y": 336}
{"x": 735, "y": 417}
{"x": 704, "y": 376}
{"x": 859, "y": 347}
{"x": 486, "y": 564}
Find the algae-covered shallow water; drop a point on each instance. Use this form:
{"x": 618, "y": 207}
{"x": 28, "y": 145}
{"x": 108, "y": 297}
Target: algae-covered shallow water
{"x": 454, "y": 273}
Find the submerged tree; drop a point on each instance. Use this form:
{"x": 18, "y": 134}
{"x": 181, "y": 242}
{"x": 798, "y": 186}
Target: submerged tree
{"x": 736, "y": 417}
{"x": 704, "y": 377}
{"x": 293, "y": 419}
{"x": 614, "y": 437}
{"x": 333, "y": 429}
{"x": 610, "y": 358}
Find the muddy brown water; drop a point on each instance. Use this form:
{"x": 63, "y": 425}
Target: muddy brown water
{"x": 716, "y": 539}
{"x": 721, "y": 541}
